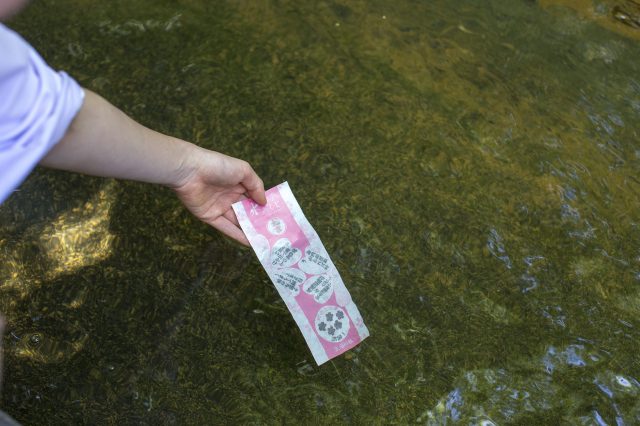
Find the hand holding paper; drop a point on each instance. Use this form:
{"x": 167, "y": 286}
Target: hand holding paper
{"x": 212, "y": 183}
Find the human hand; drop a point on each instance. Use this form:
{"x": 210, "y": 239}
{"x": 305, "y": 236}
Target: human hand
{"x": 211, "y": 182}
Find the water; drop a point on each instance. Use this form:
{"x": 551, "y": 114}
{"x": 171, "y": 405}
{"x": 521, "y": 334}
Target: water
{"x": 471, "y": 167}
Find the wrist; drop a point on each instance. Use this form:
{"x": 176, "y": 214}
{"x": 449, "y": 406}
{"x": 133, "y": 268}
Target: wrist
{"x": 186, "y": 164}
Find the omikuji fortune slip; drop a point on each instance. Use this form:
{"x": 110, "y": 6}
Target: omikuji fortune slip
{"x": 297, "y": 263}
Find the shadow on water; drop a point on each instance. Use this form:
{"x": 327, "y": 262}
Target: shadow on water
{"x": 94, "y": 331}
{"x": 471, "y": 169}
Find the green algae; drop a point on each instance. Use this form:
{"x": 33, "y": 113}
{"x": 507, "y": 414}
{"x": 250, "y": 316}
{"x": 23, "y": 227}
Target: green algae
{"x": 470, "y": 167}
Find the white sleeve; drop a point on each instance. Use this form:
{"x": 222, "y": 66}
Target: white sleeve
{"x": 37, "y": 105}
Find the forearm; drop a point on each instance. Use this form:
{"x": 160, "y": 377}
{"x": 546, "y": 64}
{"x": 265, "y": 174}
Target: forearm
{"x": 103, "y": 141}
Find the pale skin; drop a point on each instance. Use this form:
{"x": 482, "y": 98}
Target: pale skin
{"x": 103, "y": 141}
{"x": 8, "y": 8}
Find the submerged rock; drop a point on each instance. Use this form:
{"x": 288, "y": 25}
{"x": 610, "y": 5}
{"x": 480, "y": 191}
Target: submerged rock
{"x": 620, "y": 16}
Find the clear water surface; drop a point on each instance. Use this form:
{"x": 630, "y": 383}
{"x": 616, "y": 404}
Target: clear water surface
{"x": 472, "y": 168}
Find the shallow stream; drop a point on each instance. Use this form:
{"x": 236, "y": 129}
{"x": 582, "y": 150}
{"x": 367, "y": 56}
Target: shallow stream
{"x": 472, "y": 168}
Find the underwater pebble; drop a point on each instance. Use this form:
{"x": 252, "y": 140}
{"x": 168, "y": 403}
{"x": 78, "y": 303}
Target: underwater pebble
{"x": 623, "y": 381}
{"x": 35, "y": 339}
{"x": 305, "y": 369}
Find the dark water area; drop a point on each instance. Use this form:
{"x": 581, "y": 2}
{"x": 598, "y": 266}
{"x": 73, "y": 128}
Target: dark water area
{"x": 472, "y": 168}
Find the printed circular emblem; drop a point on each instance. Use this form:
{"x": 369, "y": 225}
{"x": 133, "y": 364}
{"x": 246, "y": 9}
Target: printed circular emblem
{"x": 289, "y": 279}
{"x": 276, "y": 226}
{"x": 261, "y": 247}
{"x": 283, "y": 255}
{"x": 332, "y": 324}
{"x": 319, "y": 287}
{"x": 315, "y": 261}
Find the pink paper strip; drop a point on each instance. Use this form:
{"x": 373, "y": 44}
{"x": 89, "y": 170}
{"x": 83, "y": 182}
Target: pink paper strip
{"x": 300, "y": 268}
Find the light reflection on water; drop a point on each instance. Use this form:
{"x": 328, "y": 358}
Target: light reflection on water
{"x": 471, "y": 167}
